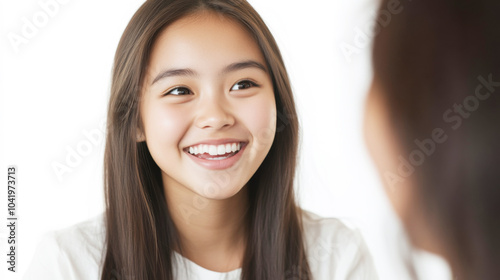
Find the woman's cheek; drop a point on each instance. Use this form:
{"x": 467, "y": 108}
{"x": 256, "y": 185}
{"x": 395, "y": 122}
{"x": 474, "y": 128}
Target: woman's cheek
{"x": 260, "y": 117}
{"x": 165, "y": 125}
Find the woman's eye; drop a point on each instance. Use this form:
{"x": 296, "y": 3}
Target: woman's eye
{"x": 178, "y": 91}
{"x": 243, "y": 85}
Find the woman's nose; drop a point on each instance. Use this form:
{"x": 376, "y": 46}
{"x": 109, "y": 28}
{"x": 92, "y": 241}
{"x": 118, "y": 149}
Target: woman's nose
{"x": 214, "y": 114}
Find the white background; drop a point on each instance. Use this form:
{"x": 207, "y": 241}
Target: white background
{"x": 55, "y": 88}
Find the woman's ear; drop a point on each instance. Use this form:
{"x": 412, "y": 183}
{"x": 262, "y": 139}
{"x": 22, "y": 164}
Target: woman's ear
{"x": 140, "y": 136}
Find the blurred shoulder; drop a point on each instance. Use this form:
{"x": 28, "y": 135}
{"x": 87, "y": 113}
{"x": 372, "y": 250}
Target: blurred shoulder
{"x": 334, "y": 250}
{"x": 316, "y": 226}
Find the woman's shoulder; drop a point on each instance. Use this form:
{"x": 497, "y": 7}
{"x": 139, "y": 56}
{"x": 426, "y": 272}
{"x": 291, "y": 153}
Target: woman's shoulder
{"x": 74, "y": 252}
{"x": 316, "y": 225}
{"x": 89, "y": 233}
{"x": 328, "y": 236}
{"x": 336, "y": 251}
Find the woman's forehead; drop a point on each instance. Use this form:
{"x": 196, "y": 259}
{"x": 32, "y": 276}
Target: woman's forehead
{"x": 205, "y": 43}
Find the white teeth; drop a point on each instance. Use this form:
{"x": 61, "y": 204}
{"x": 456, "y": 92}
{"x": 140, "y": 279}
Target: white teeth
{"x": 221, "y": 149}
{"x": 214, "y": 150}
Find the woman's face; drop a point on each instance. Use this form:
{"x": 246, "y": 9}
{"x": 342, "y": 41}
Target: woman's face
{"x": 208, "y": 107}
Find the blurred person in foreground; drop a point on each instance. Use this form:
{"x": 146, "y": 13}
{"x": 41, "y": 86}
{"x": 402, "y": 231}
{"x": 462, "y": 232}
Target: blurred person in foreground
{"x": 432, "y": 126}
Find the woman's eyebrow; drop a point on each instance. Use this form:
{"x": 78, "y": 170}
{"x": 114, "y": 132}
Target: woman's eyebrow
{"x": 174, "y": 72}
{"x": 190, "y": 72}
{"x": 243, "y": 65}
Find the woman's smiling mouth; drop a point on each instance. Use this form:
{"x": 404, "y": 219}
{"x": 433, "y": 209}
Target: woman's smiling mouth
{"x": 213, "y": 155}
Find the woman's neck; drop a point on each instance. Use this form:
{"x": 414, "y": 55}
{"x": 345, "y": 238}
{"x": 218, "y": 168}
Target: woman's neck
{"x": 212, "y": 232}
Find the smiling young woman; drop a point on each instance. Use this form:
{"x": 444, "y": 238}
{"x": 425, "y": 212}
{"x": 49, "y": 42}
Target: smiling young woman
{"x": 196, "y": 171}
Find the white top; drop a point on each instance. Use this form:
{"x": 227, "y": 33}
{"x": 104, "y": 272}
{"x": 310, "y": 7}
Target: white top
{"x": 334, "y": 252}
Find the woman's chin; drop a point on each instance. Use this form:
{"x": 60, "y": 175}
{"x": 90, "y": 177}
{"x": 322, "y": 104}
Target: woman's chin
{"x": 217, "y": 192}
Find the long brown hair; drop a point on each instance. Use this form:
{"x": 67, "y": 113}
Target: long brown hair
{"x": 140, "y": 234}
{"x": 435, "y": 62}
